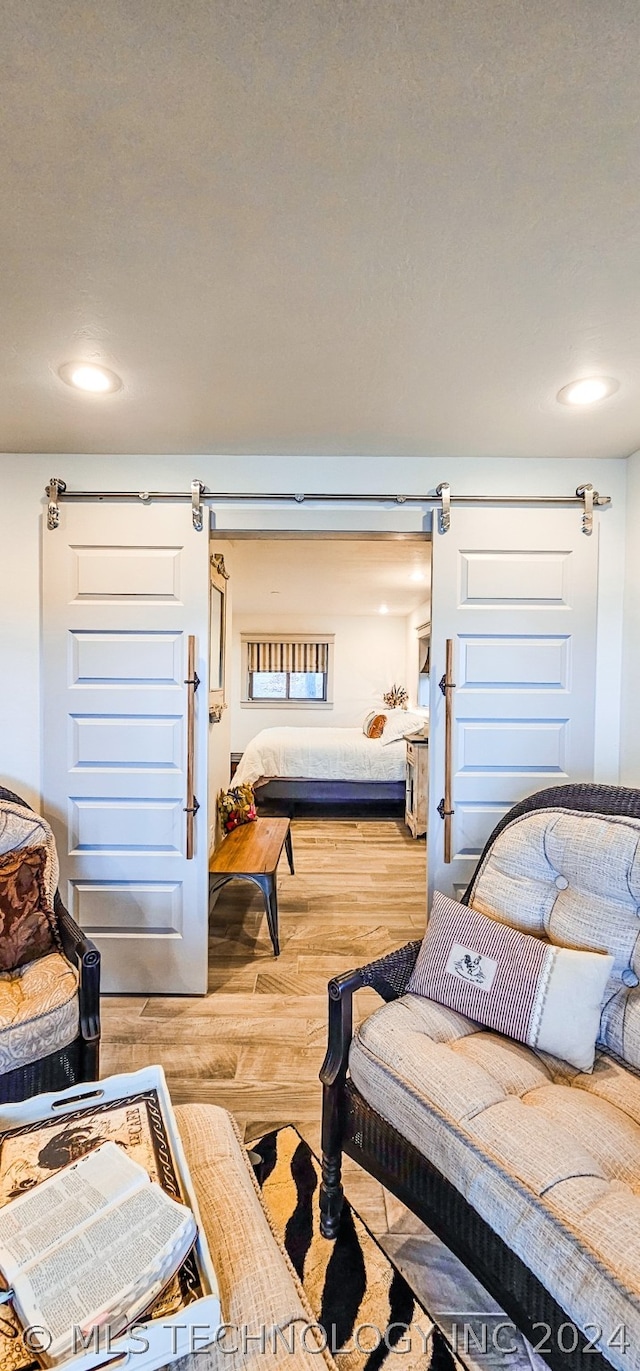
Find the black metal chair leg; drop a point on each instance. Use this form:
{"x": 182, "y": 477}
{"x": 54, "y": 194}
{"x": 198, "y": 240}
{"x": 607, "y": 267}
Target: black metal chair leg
{"x": 267, "y": 884}
{"x": 288, "y": 844}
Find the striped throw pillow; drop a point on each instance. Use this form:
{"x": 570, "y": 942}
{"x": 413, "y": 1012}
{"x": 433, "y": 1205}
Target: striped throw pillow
{"x": 546, "y": 996}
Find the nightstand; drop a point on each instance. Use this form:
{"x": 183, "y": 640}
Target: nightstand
{"x": 416, "y": 782}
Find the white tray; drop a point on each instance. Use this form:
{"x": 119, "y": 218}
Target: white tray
{"x": 172, "y": 1336}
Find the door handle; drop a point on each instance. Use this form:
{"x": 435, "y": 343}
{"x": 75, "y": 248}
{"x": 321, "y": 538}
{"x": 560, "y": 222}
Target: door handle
{"x": 192, "y": 682}
{"x": 445, "y": 808}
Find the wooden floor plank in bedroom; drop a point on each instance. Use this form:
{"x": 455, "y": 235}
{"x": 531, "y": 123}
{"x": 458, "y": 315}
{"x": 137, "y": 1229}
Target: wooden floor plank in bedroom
{"x": 255, "y": 1042}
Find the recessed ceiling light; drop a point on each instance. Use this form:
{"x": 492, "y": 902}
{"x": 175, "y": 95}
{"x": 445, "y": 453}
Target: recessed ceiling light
{"x": 588, "y": 391}
{"x": 384, "y": 609}
{"x": 87, "y": 376}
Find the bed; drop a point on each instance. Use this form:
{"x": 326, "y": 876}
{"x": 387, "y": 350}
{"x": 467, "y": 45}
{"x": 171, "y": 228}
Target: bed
{"x": 322, "y": 766}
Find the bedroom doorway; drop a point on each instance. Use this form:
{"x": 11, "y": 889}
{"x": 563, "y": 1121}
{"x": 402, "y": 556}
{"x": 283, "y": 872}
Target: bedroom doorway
{"x": 320, "y": 629}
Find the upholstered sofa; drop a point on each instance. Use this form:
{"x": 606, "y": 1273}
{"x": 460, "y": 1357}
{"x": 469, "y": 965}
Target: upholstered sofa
{"x": 526, "y": 1167}
{"x": 49, "y": 1007}
{"x": 268, "y": 1321}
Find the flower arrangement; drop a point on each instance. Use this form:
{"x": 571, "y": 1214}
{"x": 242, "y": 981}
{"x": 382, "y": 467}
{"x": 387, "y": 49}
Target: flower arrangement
{"x": 397, "y": 697}
{"x": 236, "y": 806}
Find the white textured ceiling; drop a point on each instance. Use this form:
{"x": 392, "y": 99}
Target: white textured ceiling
{"x": 320, "y": 226}
{"x": 324, "y": 576}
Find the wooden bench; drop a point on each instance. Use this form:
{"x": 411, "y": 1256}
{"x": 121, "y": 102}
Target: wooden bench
{"x": 252, "y": 853}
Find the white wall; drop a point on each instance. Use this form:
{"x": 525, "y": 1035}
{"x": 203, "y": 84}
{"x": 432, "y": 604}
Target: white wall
{"x": 630, "y": 733}
{"x": 368, "y": 656}
{"x": 25, "y": 476}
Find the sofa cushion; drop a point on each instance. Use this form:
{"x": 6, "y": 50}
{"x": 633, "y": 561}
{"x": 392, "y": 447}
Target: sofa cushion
{"x": 575, "y": 879}
{"x": 39, "y": 1010}
{"x": 259, "y": 1289}
{"x": 548, "y": 1156}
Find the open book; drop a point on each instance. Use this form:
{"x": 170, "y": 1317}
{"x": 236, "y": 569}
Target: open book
{"x": 91, "y": 1247}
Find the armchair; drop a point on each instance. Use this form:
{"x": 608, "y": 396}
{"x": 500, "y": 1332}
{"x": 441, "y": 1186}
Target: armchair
{"x": 528, "y": 1169}
{"x": 50, "y": 1008}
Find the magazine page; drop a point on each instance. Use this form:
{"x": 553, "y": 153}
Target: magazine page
{"x": 49, "y": 1213}
{"x": 31, "y": 1152}
{"x": 106, "y": 1267}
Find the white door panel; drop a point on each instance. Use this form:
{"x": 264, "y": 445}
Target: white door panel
{"x": 116, "y": 573}
{"x": 151, "y": 659}
{"x": 513, "y": 578}
{"x": 124, "y": 589}
{"x": 516, "y": 591}
{"x": 514, "y": 663}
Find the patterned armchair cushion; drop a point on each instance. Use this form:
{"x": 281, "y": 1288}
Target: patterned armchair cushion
{"x": 39, "y": 1011}
{"x": 549, "y": 1157}
{"x": 575, "y": 879}
{"x": 27, "y": 922}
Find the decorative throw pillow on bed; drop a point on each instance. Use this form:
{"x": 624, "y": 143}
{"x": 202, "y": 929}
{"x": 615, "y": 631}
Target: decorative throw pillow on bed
{"x": 546, "y": 996}
{"x": 237, "y": 806}
{"x": 28, "y": 927}
{"x": 373, "y": 725}
{"x": 399, "y": 722}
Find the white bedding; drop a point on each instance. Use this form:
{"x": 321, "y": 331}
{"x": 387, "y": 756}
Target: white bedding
{"x": 320, "y": 754}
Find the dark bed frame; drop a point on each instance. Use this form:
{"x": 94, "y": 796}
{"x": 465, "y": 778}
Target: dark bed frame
{"x": 291, "y": 797}
{"x": 352, "y": 1126}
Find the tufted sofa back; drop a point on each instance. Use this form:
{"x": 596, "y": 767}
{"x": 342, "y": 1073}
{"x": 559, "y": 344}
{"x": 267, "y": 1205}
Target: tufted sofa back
{"x": 574, "y": 878}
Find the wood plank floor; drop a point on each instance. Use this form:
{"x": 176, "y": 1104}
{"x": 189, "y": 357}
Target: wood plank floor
{"x": 254, "y": 1044}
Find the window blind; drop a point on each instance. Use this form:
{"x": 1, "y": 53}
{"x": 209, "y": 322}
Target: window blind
{"x": 277, "y": 656}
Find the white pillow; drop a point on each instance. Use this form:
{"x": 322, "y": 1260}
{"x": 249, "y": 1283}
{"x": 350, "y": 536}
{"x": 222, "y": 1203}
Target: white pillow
{"x": 399, "y": 722}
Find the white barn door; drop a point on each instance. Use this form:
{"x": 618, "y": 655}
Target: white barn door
{"x": 124, "y": 589}
{"x": 515, "y": 589}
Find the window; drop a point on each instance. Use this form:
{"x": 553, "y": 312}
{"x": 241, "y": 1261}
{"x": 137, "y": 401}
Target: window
{"x": 287, "y": 671}
{"x": 287, "y": 685}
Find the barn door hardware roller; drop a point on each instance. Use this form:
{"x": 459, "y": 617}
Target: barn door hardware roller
{"x": 444, "y": 491}
{"x": 55, "y": 489}
{"x": 197, "y": 491}
{"x": 590, "y": 497}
